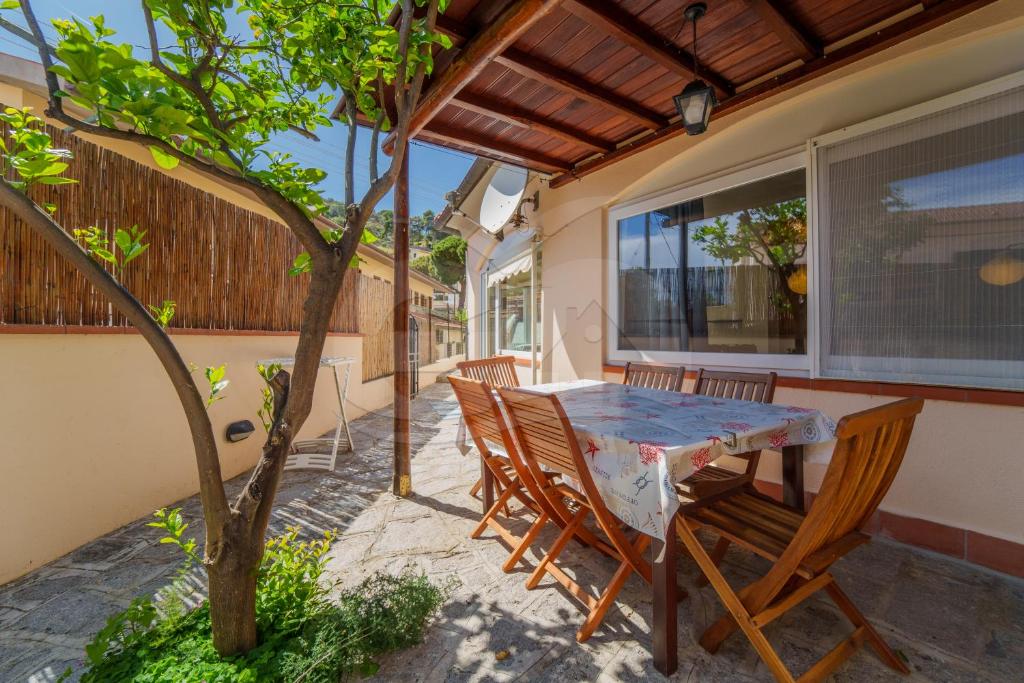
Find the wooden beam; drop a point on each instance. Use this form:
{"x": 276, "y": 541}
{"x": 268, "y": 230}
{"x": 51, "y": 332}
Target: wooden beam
{"x": 940, "y": 12}
{"x": 566, "y": 81}
{"x": 560, "y": 79}
{"x": 477, "y": 53}
{"x": 402, "y": 468}
{"x": 524, "y": 118}
{"x": 785, "y": 27}
{"x": 441, "y": 134}
{"x": 624, "y": 26}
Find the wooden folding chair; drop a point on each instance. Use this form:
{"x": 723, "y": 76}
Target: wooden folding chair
{"x": 487, "y": 425}
{"x": 546, "y": 439}
{"x": 497, "y": 371}
{"x": 711, "y": 481}
{"x": 654, "y": 376}
{"x": 867, "y": 456}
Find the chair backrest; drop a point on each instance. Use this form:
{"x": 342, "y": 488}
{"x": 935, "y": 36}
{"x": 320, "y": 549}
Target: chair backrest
{"x": 546, "y": 438}
{"x": 480, "y": 410}
{"x": 868, "y": 453}
{"x": 485, "y": 422}
{"x": 744, "y": 386}
{"x": 654, "y": 376}
{"x": 498, "y": 371}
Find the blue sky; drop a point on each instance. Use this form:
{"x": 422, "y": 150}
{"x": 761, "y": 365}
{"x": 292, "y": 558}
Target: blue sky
{"x": 432, "y": 171}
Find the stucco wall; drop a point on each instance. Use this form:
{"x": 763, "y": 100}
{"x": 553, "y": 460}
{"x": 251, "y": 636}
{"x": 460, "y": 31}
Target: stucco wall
{"x": 965, "y": 466}
{"x": 95, "y": 438}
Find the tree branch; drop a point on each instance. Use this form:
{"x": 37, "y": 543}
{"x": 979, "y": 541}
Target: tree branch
{"x": 211, "y": 487}
{"x": 350, "y": 152}
{"x": 18, "y": 31}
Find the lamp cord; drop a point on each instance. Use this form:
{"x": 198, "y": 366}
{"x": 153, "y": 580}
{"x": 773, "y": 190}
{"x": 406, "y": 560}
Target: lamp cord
{"x": 695, "y": 67}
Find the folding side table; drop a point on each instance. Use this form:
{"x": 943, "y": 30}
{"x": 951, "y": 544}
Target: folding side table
{"x": 322, "y": 453}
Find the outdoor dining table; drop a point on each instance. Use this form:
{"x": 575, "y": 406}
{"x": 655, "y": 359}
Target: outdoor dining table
{"x": 639, "y": 442}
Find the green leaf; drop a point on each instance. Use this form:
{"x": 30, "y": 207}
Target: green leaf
{"x": 302, "y": 264}
{"x": 164, "y": 159}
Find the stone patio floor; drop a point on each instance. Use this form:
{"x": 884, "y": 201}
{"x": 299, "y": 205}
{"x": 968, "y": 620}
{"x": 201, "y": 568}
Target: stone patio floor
{"x": 953, "y": 621}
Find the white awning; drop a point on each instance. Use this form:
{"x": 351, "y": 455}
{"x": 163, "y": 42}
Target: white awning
{"x": 513, "y": 256}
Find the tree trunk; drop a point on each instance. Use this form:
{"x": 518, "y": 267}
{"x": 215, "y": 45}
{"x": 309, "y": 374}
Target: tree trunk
{"x": 232, "y": 581}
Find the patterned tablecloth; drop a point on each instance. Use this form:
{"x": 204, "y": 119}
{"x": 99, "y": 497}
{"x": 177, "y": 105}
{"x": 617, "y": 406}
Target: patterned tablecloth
{"x": 638, "y": 442}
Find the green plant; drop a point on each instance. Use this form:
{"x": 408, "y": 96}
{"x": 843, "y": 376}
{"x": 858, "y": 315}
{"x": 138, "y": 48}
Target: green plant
{"x": 128, "y": 245}
{"x": 266, "y": 411}
{"x": 449, "y": 259}
{"x": 163, "y": 313}
{"x": 304, "y": 635}
{"x": 29, "y": 153}
{"x": 215, "y": 378}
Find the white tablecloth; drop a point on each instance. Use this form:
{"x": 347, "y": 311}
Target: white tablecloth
{"x": 639, "y": 442}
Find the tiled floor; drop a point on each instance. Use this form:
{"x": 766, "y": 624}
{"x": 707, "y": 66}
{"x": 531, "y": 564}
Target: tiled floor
{"x": 952, "y": 621}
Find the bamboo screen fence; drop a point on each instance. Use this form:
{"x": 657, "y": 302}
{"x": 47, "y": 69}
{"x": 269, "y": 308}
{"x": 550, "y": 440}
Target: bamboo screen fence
{"x": 224, "y": 266}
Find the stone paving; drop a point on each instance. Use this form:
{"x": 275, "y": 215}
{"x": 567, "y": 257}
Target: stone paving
{"x": 952, "y": 621}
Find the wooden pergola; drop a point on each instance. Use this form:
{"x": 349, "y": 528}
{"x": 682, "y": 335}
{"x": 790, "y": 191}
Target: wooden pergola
{"x": 569, "y": 87}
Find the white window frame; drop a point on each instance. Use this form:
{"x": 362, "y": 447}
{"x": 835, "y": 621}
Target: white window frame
{"x": 934, "y": 106}
{"x": 790, "y": 364}
{"x": 489, "y": 305}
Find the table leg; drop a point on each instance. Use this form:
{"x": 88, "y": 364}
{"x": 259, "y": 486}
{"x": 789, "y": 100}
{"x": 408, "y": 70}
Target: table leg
{"x": 666, "y": 638}
{"x": 793, "y": 476}
{"x": 486, "y": 485}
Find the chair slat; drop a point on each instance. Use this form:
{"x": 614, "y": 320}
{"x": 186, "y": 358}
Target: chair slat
{"x": 497, "y": 371}
{"x": 654, "y": 376}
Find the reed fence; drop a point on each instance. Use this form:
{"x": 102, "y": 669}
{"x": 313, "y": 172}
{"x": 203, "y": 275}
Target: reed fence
{"x": 224, "y": 266}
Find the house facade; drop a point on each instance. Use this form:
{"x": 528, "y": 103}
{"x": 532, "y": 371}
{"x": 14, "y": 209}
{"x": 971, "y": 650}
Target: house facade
{"x": 862, "y": 234}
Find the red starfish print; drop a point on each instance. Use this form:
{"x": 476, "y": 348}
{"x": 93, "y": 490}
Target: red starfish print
{"x": 592, "y": 448}
{"x": 713, "y": 438}
{"x": 778, "y": 439}
{"x": 650, "y": 453}
{"x": 701, "y": 457}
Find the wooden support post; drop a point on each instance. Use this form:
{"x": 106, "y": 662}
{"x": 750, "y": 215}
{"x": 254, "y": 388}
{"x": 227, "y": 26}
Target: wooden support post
{"x": 402, "y": 483}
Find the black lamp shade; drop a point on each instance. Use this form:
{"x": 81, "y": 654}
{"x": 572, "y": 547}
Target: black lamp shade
{"x": 694, "y": 105}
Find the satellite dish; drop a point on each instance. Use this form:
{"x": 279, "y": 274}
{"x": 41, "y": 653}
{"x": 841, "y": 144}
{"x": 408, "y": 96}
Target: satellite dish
{"x": 502, "y": 197}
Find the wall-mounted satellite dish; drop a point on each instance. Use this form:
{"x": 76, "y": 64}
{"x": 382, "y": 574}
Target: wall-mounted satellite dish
{"x": 501, "y": 197}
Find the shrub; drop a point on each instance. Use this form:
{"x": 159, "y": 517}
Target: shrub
{"x": 304, "y": 635}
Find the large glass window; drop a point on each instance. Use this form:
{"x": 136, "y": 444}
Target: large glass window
{"x": 922, "y": 248}
{"x": 724, "y": 273}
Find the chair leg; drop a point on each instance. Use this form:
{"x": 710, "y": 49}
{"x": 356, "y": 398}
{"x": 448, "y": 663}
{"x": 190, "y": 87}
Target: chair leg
{"x": 733, "y": 604}
{"x": 498, "y": 505}
{"x": 604, "y": 602}
{"x": 567, "y": 533}
{"x": 882, "y": 648}
{"x": 717, "y": 554}
{"x": 528, "y": 539}
{"x": 476, "y": 488}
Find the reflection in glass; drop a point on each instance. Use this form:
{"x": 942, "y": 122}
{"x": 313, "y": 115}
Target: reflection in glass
{"x": 922, "y": 237}
{"x": 722, "y": 273}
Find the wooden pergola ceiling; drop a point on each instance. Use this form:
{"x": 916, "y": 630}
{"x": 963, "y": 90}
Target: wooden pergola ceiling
{"x": 567, "y": 87}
